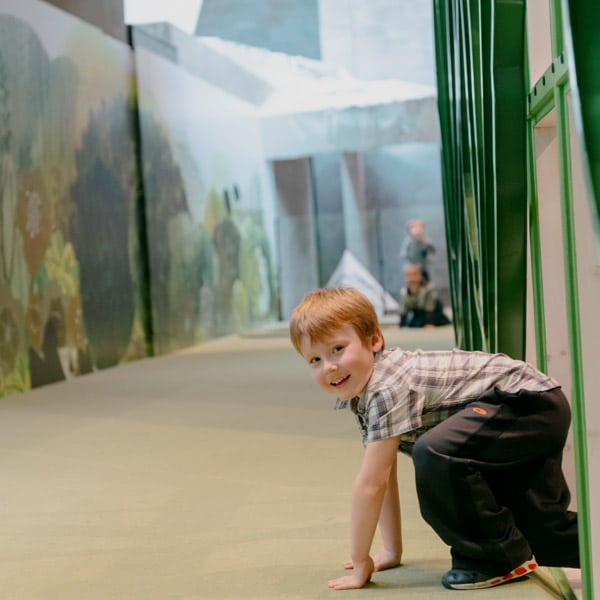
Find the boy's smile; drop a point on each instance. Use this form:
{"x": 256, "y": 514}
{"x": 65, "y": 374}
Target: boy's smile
{"x": 342, "y": 364}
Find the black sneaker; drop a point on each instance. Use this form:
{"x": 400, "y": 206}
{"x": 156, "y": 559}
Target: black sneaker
{"x": 462, "y": 579}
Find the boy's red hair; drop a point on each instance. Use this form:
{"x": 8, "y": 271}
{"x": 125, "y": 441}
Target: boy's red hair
{"x": 322, "y": 312}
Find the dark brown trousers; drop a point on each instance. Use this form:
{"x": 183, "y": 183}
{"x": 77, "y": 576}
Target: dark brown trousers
{"x": 490, "y": 482}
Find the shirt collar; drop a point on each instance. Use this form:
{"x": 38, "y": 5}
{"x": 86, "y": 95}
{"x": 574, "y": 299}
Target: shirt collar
{"x": 352, "y": 403}
{"x": 341, "y": 404}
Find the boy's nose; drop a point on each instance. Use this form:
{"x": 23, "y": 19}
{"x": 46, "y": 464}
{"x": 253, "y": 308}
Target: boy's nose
{"x": 330, "y": 366}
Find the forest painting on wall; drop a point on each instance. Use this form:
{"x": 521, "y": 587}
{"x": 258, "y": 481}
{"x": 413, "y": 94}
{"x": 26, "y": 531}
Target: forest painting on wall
{"x": 69, "y": 286}
{"x": 208, "y": 208}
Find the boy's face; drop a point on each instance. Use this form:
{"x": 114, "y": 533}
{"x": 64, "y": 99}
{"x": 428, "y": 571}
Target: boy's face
{"x": 413, "y": 277}
{"x": 341, "y": 364}
{"x": 417, "y": 230}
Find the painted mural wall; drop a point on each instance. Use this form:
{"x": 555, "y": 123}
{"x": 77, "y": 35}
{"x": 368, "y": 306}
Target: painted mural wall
{"x": 69, "y": 294}
{"x": 209, "y": 208}
{"x": 111, "y": 250}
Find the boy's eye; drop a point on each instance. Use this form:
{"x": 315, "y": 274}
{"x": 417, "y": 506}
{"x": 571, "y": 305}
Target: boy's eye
{"x": 338, "y": 348}
{"x": 314, "y": 360}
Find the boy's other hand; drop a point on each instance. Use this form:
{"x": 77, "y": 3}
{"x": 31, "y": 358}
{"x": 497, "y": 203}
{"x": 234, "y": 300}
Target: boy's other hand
{"x": 384, "y": 560}
{"x": 361, "y": 575}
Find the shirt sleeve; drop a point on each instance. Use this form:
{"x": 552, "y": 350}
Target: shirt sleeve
{"x": 387, "y": 416}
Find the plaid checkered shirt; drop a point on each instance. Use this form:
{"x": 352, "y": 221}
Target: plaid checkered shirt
{"x": 411, "y": 392}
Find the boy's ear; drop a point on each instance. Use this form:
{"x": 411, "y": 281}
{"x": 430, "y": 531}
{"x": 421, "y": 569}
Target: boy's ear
{"x": 377, "y": 341}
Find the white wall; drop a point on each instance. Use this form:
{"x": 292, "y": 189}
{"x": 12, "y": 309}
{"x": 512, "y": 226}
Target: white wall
{"x": 379, "y": 39}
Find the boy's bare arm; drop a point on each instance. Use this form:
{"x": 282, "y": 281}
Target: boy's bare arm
{"x": 390, "y": 525}
{"x": 367, "y": 500}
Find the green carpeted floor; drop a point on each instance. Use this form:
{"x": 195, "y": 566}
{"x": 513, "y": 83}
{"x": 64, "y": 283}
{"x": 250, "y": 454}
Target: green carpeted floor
{"x": 217, "y": 473}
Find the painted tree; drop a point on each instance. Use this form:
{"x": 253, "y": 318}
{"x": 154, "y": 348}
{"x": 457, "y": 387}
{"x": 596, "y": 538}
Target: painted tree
{"x": 100, "y": 231}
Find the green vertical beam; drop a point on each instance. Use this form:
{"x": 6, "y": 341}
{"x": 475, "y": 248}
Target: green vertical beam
{"x": 470, "y": 192}
{"x": 535, "y": 251}
{"x": 480, "y": 215}
{"x": 535, "y": 244}
{"x": 489, "y": 220}
{"x": 574, "y": 332}
{"x": 510, "y": 136}
{"x": 582, "y": 26}
{"x": 556, "y": 27}
{"x": 444, "y": 54}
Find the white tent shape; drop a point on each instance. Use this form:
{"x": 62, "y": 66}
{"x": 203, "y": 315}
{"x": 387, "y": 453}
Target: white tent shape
{"x": 351, "y": 273}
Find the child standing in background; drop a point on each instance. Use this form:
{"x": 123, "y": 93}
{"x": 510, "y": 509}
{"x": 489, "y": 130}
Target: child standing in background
{"x": 416, "y": 248}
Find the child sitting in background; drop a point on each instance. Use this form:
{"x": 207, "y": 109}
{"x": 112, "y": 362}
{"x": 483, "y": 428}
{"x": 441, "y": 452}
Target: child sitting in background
{"x": 420, "y": 305}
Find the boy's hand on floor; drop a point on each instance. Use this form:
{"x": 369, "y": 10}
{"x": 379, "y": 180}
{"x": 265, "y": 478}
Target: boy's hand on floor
{"x": 361, "y": 575}
{"x": 384, "y": 560}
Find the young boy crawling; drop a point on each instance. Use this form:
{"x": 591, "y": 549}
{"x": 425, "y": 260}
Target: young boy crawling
{"x": 486, "y": 434}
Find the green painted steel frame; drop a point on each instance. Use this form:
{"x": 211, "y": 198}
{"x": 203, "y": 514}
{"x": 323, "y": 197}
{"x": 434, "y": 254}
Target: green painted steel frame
{"x": 574, "y": 334}
{"x": 540, "y": 100}
{"x": 535, "y": 250}
{"x": 479, "y": 54}
{"x": 488, "y": 168}
{"x": 547, "y": 94}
